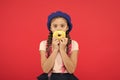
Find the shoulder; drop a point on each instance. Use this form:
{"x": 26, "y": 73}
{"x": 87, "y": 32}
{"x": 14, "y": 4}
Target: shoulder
{"x": 42, "y": 45}
{"x": 74, "y": 42}
{"x": 43, "y": 42}
{"x": 75, "y": 45}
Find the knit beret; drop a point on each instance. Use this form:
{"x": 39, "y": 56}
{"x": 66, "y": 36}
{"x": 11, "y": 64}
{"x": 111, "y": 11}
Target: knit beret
{"x": 59, "y": 14}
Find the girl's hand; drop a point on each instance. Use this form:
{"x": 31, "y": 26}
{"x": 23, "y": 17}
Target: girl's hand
{"x": 63, "y": 43}
{"x": 55, "y": 44}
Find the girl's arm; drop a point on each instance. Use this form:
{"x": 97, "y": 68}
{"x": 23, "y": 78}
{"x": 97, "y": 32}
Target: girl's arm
{"x": 70, "y": 62}
{"x": 47, "y": 63}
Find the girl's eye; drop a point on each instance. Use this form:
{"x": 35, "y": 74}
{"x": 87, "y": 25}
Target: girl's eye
{"x": 55, "y": 26}
{"x": 62, "y": 25}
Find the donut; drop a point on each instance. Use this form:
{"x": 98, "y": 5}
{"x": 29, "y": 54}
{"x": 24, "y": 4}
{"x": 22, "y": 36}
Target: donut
{"x": 59, "y": 34}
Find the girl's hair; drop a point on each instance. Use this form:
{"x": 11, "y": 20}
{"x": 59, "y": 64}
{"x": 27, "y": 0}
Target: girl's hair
{"x": 49, "y": 42}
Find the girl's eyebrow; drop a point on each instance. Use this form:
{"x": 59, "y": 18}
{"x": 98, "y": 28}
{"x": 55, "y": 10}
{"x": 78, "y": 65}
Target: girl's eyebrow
{"x": 63, "y": 23}
{"x": 54, "y": 24}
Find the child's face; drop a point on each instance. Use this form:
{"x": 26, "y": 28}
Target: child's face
{"x": 59, "y": 24}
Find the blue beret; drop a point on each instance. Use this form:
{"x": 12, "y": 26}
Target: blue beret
{"x": 59, "y": 14}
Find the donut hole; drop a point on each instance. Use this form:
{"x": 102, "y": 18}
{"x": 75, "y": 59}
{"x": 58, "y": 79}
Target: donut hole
{"x": 59, "y": 35}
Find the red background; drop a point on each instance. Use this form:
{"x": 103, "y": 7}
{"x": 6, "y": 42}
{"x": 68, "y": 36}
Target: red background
{"x": 96, "y": 27}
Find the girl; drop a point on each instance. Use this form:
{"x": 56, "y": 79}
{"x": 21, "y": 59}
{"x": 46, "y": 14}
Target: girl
{"x": 58, "y": 56}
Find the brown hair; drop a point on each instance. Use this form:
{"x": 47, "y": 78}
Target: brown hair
{"x": 49, "y": 42}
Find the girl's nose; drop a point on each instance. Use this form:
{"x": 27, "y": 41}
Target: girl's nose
{"x": 59, "y": 28}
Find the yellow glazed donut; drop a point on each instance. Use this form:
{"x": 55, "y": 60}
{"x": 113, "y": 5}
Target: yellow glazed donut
{"x": 59, "y": 34}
